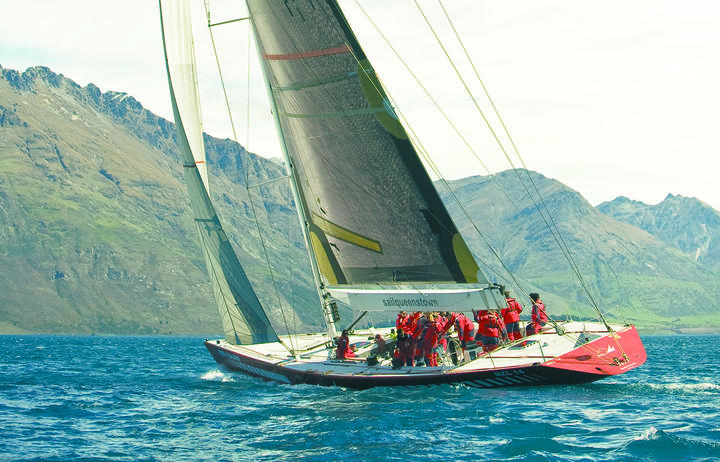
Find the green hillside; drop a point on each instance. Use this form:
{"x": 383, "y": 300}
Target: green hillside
{"x": 631, "y": 274}
{"x": 96, "y": 234}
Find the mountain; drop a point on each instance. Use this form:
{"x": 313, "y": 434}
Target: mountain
{"x": 684, "y": 223}
{"x": 96, "y": 235}
{"x": 631, "y": 273}
{"x": 95, "y": 229}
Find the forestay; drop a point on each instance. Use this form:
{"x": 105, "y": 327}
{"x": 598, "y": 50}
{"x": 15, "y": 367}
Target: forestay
{"x": 243, "y": 318}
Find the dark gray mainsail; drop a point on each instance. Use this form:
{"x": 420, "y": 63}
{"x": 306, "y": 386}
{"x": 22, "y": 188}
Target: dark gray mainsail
{"x": 243, "y": 318}
{"x": 372, "y": 212}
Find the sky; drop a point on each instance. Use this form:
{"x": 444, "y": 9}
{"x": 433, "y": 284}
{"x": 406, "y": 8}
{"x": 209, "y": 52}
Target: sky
{"x": 611, "y": 98}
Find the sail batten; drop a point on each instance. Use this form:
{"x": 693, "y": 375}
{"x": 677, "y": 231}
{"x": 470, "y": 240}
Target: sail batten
{"x": 243, "y": 318}
{"x": 372, "y": 212}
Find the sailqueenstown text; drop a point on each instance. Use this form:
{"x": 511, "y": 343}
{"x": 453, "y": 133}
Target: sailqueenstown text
{"x": 410, "y": 302}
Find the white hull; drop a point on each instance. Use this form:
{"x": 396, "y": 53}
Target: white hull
{"x": 584, "y": 352}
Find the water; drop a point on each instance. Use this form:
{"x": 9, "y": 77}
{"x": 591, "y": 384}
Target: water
{"x": 150, "y": 398}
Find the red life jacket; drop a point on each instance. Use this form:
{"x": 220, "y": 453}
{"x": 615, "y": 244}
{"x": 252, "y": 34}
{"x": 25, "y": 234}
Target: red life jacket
{"x": 491, "y": 326}
{"x": 538, "y": 313}
{"x": 343, "y": 348}
{"x": 481, "y": 318}
{"x": 403, "y": 323}
{"x": 465, "y": 328}
{"x": 512, "y": 312}
{"x": 429, "y": 336}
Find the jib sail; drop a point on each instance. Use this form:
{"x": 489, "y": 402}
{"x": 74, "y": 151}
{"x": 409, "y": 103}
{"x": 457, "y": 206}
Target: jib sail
{"x": 243, "y": 318}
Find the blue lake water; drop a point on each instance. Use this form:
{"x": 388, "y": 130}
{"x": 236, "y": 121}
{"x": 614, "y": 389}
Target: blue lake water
{"x": 164, "y": 398}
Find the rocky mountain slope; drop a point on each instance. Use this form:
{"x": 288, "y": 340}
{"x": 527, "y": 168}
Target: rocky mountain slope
{"x": 684, "y": 223}
{"x": 96, "y": 234}
{"x": 629, "y": 272}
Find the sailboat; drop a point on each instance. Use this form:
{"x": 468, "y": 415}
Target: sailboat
{"x": 378, "y": 234}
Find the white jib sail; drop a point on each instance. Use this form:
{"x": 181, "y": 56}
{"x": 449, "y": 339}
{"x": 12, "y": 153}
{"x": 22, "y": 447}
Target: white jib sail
{"x": 180, "y": 53}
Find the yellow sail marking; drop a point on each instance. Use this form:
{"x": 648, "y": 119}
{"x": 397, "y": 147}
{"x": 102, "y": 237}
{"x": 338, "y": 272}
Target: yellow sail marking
{"x": 468, "y": 265}
{"x": 344, "y": 234}
{"x": 322, "y": 259}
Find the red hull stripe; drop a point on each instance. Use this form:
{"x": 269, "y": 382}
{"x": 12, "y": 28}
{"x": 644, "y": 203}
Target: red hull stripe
{"x": 609, "y": 355}
{"x": 308, "y": 54}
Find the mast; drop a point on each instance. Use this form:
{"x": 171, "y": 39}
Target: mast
{"x": 328, "y": 308}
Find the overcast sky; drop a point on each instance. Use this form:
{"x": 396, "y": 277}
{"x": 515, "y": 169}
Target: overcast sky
{"x": 611, "y": 98}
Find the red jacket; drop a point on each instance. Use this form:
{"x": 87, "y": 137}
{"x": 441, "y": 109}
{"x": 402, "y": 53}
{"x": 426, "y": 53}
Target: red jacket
{"x": 538, "y": 313}
{"x": 512, "y": 312}
{"x": 492, "y": 325}
{"x": 343, "y": 348}
{"x": 465, "y": 328}
{"x": 480, "y": 318}
{"x": 403, "y": 323}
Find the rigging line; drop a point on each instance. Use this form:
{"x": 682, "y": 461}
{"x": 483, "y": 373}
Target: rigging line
{"x": 227, "y": 22}
{"x": 290, "y": 221}
{"x": 423, "y": 151}
{"x": 436, "y": 170}
{"x": 492, "y": 102}
{"x": 439, "y": 108}
{"x": 495, "y": 109}
{"x": 417, "y": 80}
{"x": 560, "y": 241}
{"x": 245, "y": 169}
{"x": 425, "y": 155}
{"x": 517, "y": 152}
{"x": 272, "y": 273}
{"x": 222, "y": 80}
{"x": 247, "y": 106}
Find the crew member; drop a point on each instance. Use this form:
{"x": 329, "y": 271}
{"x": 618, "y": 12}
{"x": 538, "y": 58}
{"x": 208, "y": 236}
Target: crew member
{"x": 465, "y": 329}
{"x": 539, "y": 316}
{"x": 511, "y": 316}
{"x": 492, "y": 327}
{"x": 480, "y": 317}
{"x": 380, "y": 345}
{"x": 405, "y": 349}
{"x": 403, "y": 321}
{"x": 432, "y": 329}
{"x": 343, "y": 346}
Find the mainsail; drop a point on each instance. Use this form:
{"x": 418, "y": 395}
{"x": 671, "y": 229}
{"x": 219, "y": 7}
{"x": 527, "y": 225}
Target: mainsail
{"x": 243, "y": 318}
{"x": 372, "y": 212}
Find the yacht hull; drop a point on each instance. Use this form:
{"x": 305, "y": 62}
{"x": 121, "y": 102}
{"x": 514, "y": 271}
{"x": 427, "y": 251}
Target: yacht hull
{"x": 607, "y": 355}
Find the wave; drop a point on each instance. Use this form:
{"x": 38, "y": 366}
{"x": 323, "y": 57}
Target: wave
{"x": 216, "y": 375}
{"x": 685, "y": 387}
{"x": 668, "y": 445}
